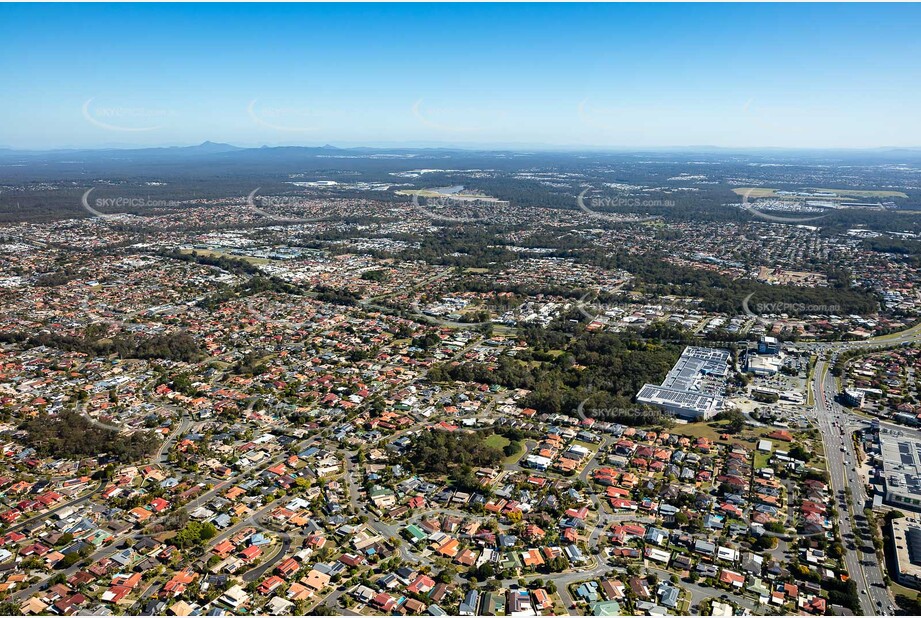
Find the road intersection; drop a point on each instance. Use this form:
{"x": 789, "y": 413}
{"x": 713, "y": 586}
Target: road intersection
{"x": 835, "y": 424}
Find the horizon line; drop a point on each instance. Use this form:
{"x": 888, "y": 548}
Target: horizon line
{"x": 496, "y": 147}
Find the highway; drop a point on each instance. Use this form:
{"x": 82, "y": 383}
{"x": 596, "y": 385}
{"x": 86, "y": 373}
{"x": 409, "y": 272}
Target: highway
{"x": 831, "y": 420}
{"x": 836, "y": 425}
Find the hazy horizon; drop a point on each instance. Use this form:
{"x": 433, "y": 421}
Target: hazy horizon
{"x": 541, "y": 76}
{"x": 496, "y": 147}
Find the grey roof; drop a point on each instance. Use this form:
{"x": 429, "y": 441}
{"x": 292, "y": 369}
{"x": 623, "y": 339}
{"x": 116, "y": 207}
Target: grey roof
{"x": 688, "y": 385}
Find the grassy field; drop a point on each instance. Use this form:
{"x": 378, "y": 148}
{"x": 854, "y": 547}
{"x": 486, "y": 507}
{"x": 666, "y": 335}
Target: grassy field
{"x": 531, "y": 363}
{"x": 846, "y": 194}
{"x": 714, "y": 429}
{"x": 820, "y": 461}
{"x": 754, "y": 192}
{"x": 589, "y": 445}
{"x": 208, "y": 252}
{"x": 421, "y": 192}
{"x": 516, "y": 455}
{"x": 810, "y": 399}
{"x": 882, "y": 339}
{"x": 856, "y": 193}
{"x": 497, "y": 441}
{"x": 899, "y": 589}
{"x": 455, "y": 196}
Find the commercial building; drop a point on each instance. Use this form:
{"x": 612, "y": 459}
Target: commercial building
{"x": 768, "y": 345}
{"x": 763, "y": 365}
{"x": 901, "y": 471}
{"x": 853, "y": 397}
{"x": 694, "y": 387}
{"x": 906, "y": 538}
{"x": 768, "y": 360}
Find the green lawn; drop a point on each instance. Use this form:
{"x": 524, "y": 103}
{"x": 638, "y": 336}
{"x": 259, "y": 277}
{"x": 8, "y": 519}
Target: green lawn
{"x": 497, "y": 441}
{"x": 883, "y": 338}
{"x": 898, "y": 589}
{"x": 858, "y": 193}
{"x": 713, "y": 433}
{"x": 502, "y": 329}
{"x": 810, "y": 399}
{"x": 846, "y": 194}
{"x": 516, "y": 455}
{"x": 213, "y": 253}
{"x": 589, "y": 445}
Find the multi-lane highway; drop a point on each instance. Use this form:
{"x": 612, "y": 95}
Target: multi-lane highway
{"x": 861, "y": 563}
{"x": 833, "y": 422}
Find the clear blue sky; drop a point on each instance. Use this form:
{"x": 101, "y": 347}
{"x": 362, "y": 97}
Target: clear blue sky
{"x": 800, "y": 75}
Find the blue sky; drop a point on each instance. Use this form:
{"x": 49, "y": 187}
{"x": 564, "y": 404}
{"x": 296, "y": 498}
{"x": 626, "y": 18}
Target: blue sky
{"x": 621, "y": 75}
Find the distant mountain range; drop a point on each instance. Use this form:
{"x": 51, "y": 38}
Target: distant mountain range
{"x": 209, "y": 147}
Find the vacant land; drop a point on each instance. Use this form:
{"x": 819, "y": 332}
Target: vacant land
{"x": 713, "y": 431}
{"x": 462, "y": 196}
{"x": 497, "y": 441}
{"x": 859, "y": 193}
{"x": 908, "y": 592}
{"x": 516, "y": 455}
{"x": 218, "y": 254}
{"x": 754, "y": 192}
{"x": 844, "y": 194}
